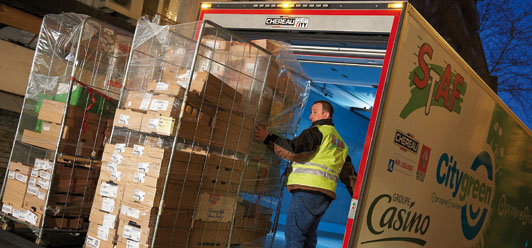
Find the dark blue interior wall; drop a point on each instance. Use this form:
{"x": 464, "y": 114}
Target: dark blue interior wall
{"x": 353, "y": 129}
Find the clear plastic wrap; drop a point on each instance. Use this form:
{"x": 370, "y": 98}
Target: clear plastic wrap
{"x": 182, "y": 159}
{"x": 54, "y": 163}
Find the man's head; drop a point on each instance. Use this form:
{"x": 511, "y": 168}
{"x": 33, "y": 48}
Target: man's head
{"x": 321, "y": 110}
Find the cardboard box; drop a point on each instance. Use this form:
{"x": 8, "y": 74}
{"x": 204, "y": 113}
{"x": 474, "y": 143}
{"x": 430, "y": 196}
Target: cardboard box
{"x": 110, "y": 189}
{"x": 215, "y": 208}
{"x": 106, "y": 204}
{"x": 142, "y": 194}
{"x": 16, "y": 184}
{"x": 51, "y": 111}
{"x": 157, "y": 123}
{"x": 128, "y": 243}
{"x": 102, "y": 233}
{"x": 39, "y": 140}
{"x": 138, "y": 214}
{"x": 163, "y": 105}
{"x": 138, "y": 100}
{"x": 134, "y": 233}
{"x": 50, "y": 129}
{"x": 128, "y": 119}
{"x": 35, "y": 199}
{"x": 93, "y": 241}
{"x": 33, "y": 217}
{"x": 104, "y": 219}
{"x": 214, "y": 90}
{"x": 171, "y": 88}
{"x": 214, "y": 42}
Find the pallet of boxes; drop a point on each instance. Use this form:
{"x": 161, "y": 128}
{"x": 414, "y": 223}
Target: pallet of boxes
{"x": 66, "y": 118}
{"x": 173, "y": 169}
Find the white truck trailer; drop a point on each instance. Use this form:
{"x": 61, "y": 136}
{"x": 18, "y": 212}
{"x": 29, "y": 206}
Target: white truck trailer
{"x": 444, "y": 162}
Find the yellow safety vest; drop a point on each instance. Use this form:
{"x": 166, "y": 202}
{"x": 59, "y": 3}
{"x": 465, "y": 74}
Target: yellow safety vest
{"x": 323, "y": 169}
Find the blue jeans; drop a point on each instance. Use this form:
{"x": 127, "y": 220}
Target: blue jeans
{"x": 306, "y": 210}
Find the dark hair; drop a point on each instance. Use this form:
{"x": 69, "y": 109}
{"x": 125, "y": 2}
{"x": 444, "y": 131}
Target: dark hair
{"x": 326, "y": 106}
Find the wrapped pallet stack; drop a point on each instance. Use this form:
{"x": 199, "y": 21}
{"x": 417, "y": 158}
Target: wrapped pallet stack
{"x": 72, "y": 94}
{"x": 182, "y": 168}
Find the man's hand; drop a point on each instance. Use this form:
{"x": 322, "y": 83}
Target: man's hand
{"x": 261, "y": 132}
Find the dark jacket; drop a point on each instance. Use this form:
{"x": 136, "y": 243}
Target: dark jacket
{"x": 302, "y": 148}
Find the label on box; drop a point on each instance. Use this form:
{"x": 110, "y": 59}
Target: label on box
{"x": 132, "y": 244}
{"x": 109, "y": 220}
{"x": 19, "y": 214}
{"x": 109, "y": 190}
{"x": 46, "y": 126}
{"x": 116, "y": 175}
{"x": 11, "y": 175}
{"x": 145, "y": 101}
{"x": 112, "y": 166}
{"x": 121, "y": 147}
{"x": 43, "y": 183}
{"x": 157, "y": 105}
{"x": 139, "y": 177}
{"x": 41, "y": 195}
{"x": 7, "y": 209}
{"x": 31, "y": 218}
{"x": 153, "y": 123}
{"x": 32, "y": 181}
{"x": 117, "y": 158}
{"x": 139, "y": 195}
{"x": 45, "y": 175}
{"x": 93, "y": 242}
{"x": 144, "y": 167}
{"x": 21, "y": 177}
{"x": 34, "y": 173}
{"x": 165, "y": 125}
{"x": 138, "y": 150}
{"x": 161, "y": 86}
{"x": 132, "y": 233}
{"x": 103, "y": 232}
{"x": 43, "y": 165}
{"x": 108, "y": 204}
{"x": 131, "y": 212}
{"x": 123, "y": 119}
{"x": 32, "y": 190}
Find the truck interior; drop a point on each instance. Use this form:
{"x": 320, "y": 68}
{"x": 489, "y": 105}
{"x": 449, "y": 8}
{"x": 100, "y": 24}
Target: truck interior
{"x": 344, "y": 68}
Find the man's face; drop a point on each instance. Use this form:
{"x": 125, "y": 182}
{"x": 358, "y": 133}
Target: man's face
{"x": 317, "y": 113}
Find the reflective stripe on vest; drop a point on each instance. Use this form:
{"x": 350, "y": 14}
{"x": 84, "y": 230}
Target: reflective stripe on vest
{"x": 316, "y": 172}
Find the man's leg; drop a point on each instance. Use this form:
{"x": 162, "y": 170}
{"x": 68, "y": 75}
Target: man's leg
{"x": 303, "y": 218}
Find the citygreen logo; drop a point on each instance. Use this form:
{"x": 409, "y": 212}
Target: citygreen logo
{"x": 434, "y": 85}
{"x": 475, "y": 194}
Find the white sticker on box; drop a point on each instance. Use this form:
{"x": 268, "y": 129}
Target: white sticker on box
{"x": 138, "y": 150}
{"x": 21, "y": 177}
{"x": 31, "y": 218}
{"x": 121, "y": 147}
{"x": 42, "y": 164}
{"x": 116, "y": 175}
{"x": 41, "y": 195}
{"x": 132, "y": 244}
{"x": 112, "y": 166}
{"x": 152, "y": 123}
{"x": 131, "y": 212}
{"x": 93, "y": 242}
{"x": 45, "y": 175}
{"x": 19, "y": 214}
{"x": 161, "y": 86}
{"x": 144, "y": 167}
{"x": 108, "y": 190}
{"x": 123, "y": 119}
{"x": 34, "y": 173}
{"x": 108, "y": 204}
{"x": 139, "y": 177}
{"x": 46, "y": 126}
{"x": 131, "y": 232}
{"x": 32, "y": 181}
{"x": 7, "y": 209}
{"x": 139, "y": 195}
{"x": 103, "y": 232}
{"x": 117, "y": 158}
{"x": 11, "y": 175}
{"x": 32, "y": 190}
{"x": 43, "y": 183}
{"x": 146, "y": 99}
{"x": 157, "y": 105}
{"x": 109, "y": 220}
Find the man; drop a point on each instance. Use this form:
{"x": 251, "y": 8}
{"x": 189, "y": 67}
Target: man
{"x": 319, "y": 158}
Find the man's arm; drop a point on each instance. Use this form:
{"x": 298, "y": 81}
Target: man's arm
{"x": 348, "y": 176}
{"x": 298, "y": 149}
